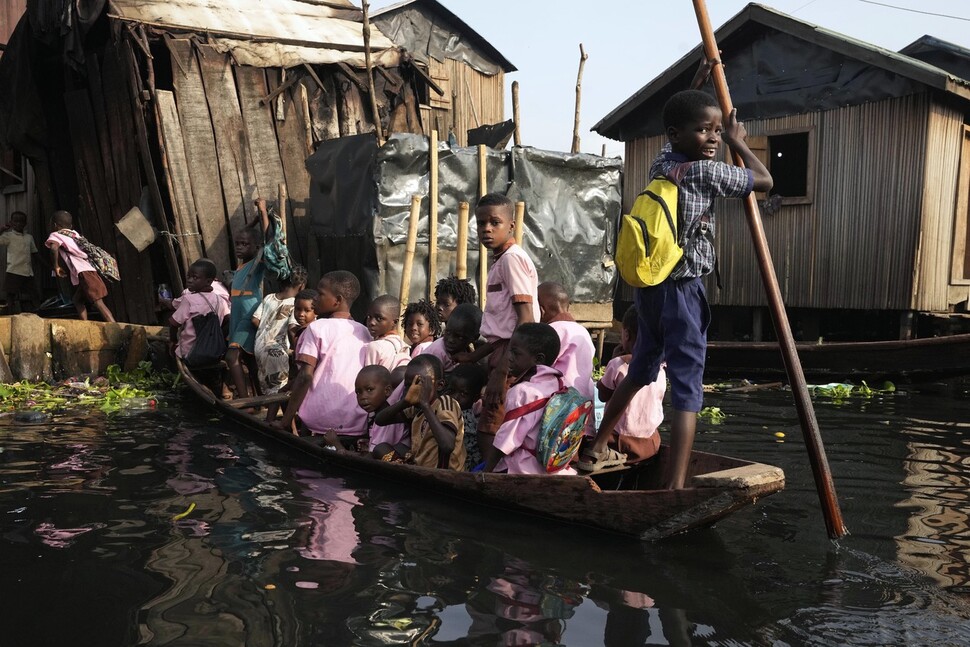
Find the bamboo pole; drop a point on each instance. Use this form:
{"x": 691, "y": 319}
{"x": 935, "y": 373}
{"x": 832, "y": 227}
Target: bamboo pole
{"x": 516, "y": 117}
{"x": 405, "y": 291}
{"x": 803, "y": 402}
{"x": 281, "y": 208}
{"x": 482, "y": 252}
{"x": 579, "y": 96}
{"x": 519, "y": 222}
{"x": 461, "y": 248}
{"x": 433, "y": 213}
{"x": 370, "y": 77}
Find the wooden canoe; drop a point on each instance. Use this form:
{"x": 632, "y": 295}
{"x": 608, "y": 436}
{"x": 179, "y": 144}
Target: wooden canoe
{"x": 914, "y": 360}
{"x": 625, "y": 502}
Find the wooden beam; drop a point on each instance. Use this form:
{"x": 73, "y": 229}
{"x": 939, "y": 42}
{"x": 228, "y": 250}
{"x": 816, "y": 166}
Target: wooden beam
{"x": 579, "y": 96}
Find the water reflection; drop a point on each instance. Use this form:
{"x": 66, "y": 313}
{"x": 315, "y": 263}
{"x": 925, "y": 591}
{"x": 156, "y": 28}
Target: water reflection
{"x": 276, "y": 553}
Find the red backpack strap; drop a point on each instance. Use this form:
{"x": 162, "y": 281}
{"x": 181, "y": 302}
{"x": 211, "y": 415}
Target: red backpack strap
{"x": 524, "y": 410}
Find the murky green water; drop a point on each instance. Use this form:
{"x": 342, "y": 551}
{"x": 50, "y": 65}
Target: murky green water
{"x": 278, "y": 553}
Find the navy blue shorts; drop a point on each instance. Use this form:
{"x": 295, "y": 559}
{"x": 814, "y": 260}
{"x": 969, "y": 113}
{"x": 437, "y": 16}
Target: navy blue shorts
{"x": 673, "y": 318}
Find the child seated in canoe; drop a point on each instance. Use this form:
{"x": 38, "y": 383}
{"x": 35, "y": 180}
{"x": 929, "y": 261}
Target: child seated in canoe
{"x": 451, "y": 292}
{"x": 635, "y": 433}
{"x": 532, "y": 350}
{"x": 302, "y": 316}
{"x": 421, "y": 325}
{"x": 460, "y": 336}
{"x": 387, "y": 348}
{"x": 329, "y": 355}
{"x": 576, "y": 350}
{"x": 272, "y": 344}
{"x": 198, "y": 299}
{"x": 436, "y": 427}
{"x": 373, "y": 388}
{"x": 465, "y": 384}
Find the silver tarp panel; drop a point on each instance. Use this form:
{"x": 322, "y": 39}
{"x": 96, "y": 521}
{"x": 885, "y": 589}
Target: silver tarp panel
{"x": 572, "y": 207}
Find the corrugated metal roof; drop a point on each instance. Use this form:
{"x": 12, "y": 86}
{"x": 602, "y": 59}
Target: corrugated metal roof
{"x": 895, "y": 62}
{"x": 433, "y": 5}
{"x": 267, "y": 33}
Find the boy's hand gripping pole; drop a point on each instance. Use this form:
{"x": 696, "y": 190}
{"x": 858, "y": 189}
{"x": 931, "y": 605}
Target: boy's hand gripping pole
{"x": 803, "y": 403}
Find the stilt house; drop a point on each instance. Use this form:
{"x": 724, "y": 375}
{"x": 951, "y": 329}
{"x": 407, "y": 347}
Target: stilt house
{"x": 870, "y": 154}
{"x": 189, "y": 111}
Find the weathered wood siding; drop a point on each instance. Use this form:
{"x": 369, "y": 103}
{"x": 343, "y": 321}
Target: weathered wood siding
{"x": 855, "y": 245}
{"x": 471, "y": 99}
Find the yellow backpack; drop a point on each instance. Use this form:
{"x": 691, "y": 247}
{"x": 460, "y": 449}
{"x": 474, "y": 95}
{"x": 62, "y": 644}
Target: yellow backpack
{"x": 647, "y": 247}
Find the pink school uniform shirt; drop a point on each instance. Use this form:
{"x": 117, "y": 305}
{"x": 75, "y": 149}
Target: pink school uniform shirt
{"x": 646, "y": 411}
{"x": 517, "y": 438}
{"x": 390, "y": 434}
{"x": 417, "y": 349}
{"x": 389, "y": 351}
{"x": 334, "y": 347}
{"x": 190, "y": 305}
{"x": 218, "y": 289}
{"x": 511, "y": 279}
{"x": 575, "y": 360}
{"x": 72, "y": 255}
{"x": 437, "y": 348}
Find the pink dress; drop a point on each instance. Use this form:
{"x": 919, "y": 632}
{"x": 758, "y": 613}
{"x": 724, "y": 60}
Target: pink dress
{"x": 511, "y": 279}
{"x": 391, "y": 434}
{"x": 516, "y": 438}
{"x": 72, "y": 255}
{"x": 437, "y": 348}
{"x": 190, "y": 305}
{"x": 645, "y": 412}
{"x": 335, "y": 349}
{"x": 575, "y": 361}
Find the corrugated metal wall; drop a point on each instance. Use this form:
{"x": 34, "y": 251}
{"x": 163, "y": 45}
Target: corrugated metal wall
{"x": 855, "y": 245}
{"x": 944, "y": 143}
{"x": 473, "y": 99}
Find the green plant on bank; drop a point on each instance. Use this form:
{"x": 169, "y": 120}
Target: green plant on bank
{"x": 713, "y": 415}
{"x": 110, "y": 394}
{"x": 839, "y": 392}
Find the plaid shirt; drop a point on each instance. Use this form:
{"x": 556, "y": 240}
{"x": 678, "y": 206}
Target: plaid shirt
{"x": 700, "y": 182}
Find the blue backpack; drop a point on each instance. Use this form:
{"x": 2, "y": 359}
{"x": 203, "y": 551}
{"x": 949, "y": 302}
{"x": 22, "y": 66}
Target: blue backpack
{"x": 564, "y": 417}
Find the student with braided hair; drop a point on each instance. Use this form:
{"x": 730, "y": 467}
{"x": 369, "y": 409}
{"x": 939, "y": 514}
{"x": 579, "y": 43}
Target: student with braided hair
{"x": 451, "y": 292}
{"x": 421, "y": 325}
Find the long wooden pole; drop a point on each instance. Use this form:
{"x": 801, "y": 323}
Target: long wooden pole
{"x": 433, "y": 213}
{"x": 482, "y": 252}
{"x": 516, "y": 117}
{"x": 579, "y": 96}
{"x": 803, "y": 402}
{"x": 461, "y": 248}
{"x": 370, "y": 77}
{"x": 519, "y": 222}
{"x": 409, "y": 249}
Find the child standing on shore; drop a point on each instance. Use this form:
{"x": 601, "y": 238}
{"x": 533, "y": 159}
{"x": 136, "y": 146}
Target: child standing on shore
{"x": 511, "y": 301}
{"x": 272, "y": 343}
{"x": 674, "y": 315}
{"x": 20, "y": 266}
{"x": 67, "y": 253}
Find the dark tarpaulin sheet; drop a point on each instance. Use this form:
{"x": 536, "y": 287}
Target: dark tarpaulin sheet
{"x": 573, "y": 203}
{"x": 342, "y": 197}
{"x": 411, "y": 29}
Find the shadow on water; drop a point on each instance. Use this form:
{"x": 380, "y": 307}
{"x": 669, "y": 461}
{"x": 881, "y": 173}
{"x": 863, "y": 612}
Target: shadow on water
{"x": 169, "y": 529}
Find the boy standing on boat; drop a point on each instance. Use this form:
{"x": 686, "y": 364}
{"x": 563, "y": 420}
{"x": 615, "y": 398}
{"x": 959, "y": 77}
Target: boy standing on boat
{"x": 673, "y": 316}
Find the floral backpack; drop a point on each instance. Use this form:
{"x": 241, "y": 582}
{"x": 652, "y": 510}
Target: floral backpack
{"x": 563, "y": 423}
{"x": 103, "y": 262}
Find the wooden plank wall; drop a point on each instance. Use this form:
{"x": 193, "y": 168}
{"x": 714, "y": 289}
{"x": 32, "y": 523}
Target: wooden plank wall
{"x": 855, "y": 245}
{"x": 200, "y": 153}
{"x": 944, "y": 143}
{"x": 476, "y": 99}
